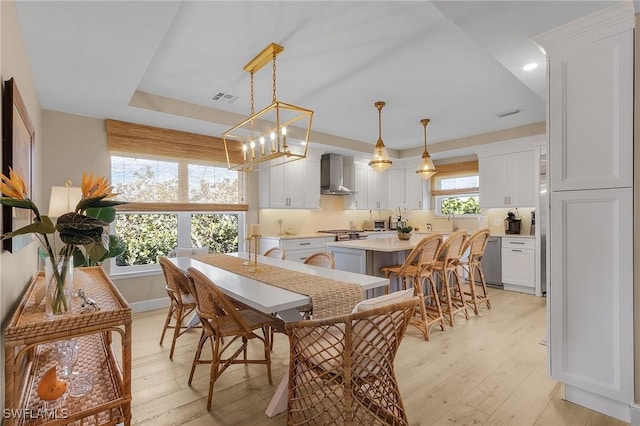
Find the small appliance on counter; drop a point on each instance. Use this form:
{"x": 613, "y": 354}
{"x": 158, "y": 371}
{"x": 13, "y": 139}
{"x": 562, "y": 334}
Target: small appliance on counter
{"x": 513, "y": 222}
{"x": 374, "y": 225}
{"x": 393, "y": 223}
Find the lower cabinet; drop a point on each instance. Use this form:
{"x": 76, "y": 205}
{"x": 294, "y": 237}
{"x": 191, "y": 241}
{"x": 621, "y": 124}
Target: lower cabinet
{"x": 518, "y": 264}
{"x": 295, "y": 249}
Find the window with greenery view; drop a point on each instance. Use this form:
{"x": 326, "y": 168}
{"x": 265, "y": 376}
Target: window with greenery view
{"x": 174, "y": 203}
{"x": 456, "y": 188}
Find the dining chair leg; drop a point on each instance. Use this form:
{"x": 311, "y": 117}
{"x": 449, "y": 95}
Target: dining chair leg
{"x": 196, "y": 357}
{"x": 213, "y": 375}
{"x": 459, "y": 295}
{"x": 176, "y": 330}
{"x": 472, "y": 290}
{"x": 267, "y": 351}
{"x": 435, "y": 302}
{"x": 423, "y": 323}
{"x": 166, "y": 323}
{"x": 447, "y": 296}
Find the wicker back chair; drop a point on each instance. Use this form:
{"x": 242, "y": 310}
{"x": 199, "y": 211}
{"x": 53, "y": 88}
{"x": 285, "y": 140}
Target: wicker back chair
{"x": 430, "y": 312}
{"x": 275, "y": 252}
{"x": 478, "y": 294}
{"x": 446, "y": 267}
{"x": 220, "y": 319}
{"x": 182, "y": 303}
{"x": 322, "y": 258}
{"x": 341, "y": 369}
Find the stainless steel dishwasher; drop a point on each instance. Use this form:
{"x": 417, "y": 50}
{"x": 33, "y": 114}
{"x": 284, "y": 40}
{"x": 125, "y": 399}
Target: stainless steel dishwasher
{"x": 492, "y": 262}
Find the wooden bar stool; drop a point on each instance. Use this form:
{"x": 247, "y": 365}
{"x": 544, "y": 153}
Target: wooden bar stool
{"x": 446, "y": 268}
{"x": 476, "y": 245}
{"x": 417, "y": 270}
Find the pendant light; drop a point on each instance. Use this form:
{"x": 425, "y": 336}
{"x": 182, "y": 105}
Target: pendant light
{"x": 426, "y": 169}
{"x": 380, "y": 158}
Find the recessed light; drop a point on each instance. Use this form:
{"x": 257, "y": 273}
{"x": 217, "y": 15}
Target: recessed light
{"x": 530, "y": 67}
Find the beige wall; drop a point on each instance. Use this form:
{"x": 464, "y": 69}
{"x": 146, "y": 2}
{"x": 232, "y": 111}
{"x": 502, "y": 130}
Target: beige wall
{"x": 16, "y": 269}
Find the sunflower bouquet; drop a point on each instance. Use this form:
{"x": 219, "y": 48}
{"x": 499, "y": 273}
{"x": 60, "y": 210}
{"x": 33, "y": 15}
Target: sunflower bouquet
{"x": 83, "y": 230}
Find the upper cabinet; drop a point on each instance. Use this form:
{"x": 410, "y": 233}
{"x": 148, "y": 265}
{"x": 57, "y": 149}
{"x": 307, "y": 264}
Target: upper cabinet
{"x": 377, "y": 191}
{"x": 355, "y": 178}
{"x": 415, "y": 198}
{"x": 508, "y": 180}
{"x": 292, "y": 185}
{"x": 592, "y": 113}
{"x": 396, "y": 188}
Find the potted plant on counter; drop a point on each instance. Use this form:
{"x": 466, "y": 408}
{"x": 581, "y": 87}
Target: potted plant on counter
{"x": 403, "y": 228}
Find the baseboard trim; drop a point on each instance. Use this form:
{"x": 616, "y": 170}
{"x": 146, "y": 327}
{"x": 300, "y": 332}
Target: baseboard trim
{"x": 149, "y": 305}
{"x": 619, "y": 410}
{"x": 635, "y": 415}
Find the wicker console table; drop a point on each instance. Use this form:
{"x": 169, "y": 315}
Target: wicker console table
{"x": 28, "y": 356}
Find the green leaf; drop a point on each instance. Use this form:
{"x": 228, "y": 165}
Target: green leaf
{"x": 14, "y": 202}
{"x": 78, "y": 222}
{"x": 78, "y": 257}
{"x": 95, "y": 252}
{"x": 106, "y": 214}
{"x": 117, "y": 246}
{"x": 35, "y": 227}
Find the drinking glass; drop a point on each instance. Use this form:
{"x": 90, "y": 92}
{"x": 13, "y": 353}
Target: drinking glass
{"x": 67, "y": 355}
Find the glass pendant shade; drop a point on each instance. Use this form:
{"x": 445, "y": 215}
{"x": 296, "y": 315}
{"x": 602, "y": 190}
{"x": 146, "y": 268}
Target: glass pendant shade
{"x": 426, "y": 168}
{"x": 380, "y": 159}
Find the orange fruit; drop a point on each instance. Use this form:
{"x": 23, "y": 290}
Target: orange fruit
{"x": 50, "y": 388}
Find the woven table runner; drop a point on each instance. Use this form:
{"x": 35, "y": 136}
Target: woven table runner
{"x": 329, "y": 297}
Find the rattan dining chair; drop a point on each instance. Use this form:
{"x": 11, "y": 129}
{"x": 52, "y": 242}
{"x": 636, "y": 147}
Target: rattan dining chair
{"x": 224, "y": 326}
{"x": 477, "y": 293}
{"x": 446, "y": 268}
{"x": 322, "y": 258}
{"x": 182, "y": 303}
{"x": 341, "y": 369}
{"x": 275, "y": 252}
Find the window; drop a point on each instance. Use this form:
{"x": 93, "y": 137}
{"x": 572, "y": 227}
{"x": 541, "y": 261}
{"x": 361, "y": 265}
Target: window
{"x": 174, "y": 200}
{"x": 456, "y": 188}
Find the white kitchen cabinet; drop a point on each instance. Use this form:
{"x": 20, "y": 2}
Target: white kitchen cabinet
{"x": 355, "y": 178}
{"x": 518, "y": 264}
{"x": 396, "y": 188}
{"x": 415, "y": 198}
{"x": 312, "y": 183}
{"x": 508, "y": 180}
{"x": 292, "y": 185}
{"x": 590, "y": 235}
{"x": 296, "y": 249}
{"x": 377, "y": 190}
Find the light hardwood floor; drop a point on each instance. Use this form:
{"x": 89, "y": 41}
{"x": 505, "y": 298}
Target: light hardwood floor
{"x": 488, "y": 370}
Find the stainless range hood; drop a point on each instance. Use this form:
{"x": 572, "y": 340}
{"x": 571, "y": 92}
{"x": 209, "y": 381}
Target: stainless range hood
{"x": 331, "y": 175}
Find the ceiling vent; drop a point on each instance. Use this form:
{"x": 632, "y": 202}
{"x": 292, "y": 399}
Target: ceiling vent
{"x": 224, "y": 97}
{"x": 508, "y": 113}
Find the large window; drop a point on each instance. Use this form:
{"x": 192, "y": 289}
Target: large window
{"x": 455, "y": 188}
{"x": 175, "y": 200}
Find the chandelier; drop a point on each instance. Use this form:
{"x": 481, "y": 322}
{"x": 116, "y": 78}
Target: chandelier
{"x": 380, "y": 158}
{"x": 426, "y": 169}
{"x": 279, "y": 130}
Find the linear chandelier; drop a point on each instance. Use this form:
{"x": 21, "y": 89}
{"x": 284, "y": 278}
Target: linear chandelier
{"x": 427, "y": 168}
{"x": 279, "y": 130}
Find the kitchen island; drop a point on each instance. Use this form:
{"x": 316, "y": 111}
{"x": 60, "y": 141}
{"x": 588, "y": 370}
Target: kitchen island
{"x": 368, "y": 256}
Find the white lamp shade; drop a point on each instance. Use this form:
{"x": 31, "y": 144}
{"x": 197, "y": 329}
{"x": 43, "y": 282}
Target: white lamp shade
{"x": 63, "y": 200}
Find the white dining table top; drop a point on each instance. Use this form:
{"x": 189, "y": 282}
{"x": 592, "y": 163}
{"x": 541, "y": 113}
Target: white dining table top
{"x": 267, "y": 298}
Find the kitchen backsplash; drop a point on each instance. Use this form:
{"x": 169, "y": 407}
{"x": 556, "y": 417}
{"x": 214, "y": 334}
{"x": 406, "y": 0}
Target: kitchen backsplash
{"x": 332, "y": 215}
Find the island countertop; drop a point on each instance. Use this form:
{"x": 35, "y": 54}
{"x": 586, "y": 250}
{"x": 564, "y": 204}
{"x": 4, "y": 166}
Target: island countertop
{"x": 389, "y": 245}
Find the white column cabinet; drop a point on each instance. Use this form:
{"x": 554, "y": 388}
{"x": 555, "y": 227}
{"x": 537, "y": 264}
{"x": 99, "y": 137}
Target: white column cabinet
{"x": 355, "y": 177}
{"x": 590, "y": 251}
{"x": 508, "y": 179}
{"x": 312, "y": 183}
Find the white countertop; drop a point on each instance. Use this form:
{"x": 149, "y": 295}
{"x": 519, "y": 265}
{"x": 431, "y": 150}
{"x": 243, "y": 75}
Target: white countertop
{"x": 390, "y": 244}
{"x": 297, "y": 236}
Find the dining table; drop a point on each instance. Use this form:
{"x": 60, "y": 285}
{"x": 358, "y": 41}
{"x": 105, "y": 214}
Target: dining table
{"x": 249, "y": 289}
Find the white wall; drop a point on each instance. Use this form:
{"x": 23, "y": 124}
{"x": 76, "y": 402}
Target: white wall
{"x": 16, "y": 269}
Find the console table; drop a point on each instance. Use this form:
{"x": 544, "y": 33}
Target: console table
{"x": 28, "y": 354}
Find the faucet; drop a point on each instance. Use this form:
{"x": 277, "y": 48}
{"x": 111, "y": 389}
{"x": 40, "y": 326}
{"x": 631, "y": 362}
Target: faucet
{"x": 452, "y": 218}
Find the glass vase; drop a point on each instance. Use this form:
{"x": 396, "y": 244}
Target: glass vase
{"x": 59, "y": 285}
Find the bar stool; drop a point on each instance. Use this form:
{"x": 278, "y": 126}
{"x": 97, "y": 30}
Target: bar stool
{"x": 446, "y": 268}
{"x": 418, "y": 269}
{"x": 476, "y": 245}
